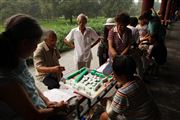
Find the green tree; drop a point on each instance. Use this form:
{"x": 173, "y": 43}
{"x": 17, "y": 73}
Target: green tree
{"x": 67, "y": 8}
{"x": 135, "y": 9}
{"x": 91, "y": 8}
{"x": 52, "y": 9}
{"x": 111, "y": 7}
{"x": 71, "y": 8}
{"x": 46, "y": 9}
{"x": 8, "y": 8}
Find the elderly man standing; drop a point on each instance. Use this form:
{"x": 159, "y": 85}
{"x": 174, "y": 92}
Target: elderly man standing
{"x": 84, "y": 38}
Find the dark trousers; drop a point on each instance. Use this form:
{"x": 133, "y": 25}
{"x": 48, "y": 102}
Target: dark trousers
{"x": 51, "y": 81}
{"x": 102, "y": 53}
{"x": 102, "y": 60}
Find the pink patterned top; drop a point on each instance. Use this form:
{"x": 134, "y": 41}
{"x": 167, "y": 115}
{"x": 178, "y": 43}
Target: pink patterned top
{"x": 120, "y": 42}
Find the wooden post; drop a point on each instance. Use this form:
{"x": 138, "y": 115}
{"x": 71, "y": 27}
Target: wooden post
{"x": 166, "y": 17}
{"x": 163, "y": 8}
{"x": 146, "y": 5}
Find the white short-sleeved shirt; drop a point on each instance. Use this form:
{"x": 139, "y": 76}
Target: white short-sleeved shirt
{"x": 82, "y": 42}
{"x": 135, "y": 34}
{"x": 143, "y": 30}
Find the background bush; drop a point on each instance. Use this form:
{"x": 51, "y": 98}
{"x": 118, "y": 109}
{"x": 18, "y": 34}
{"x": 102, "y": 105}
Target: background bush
{"x": 62, "y": 27}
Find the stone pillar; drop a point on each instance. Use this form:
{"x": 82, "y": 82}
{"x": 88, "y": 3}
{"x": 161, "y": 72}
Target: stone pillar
{"x": 146, "y": 5}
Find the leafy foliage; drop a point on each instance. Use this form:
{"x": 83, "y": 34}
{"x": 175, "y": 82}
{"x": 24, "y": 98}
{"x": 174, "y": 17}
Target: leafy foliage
{"x": 8, "y": 8}
{"x": 112, "y": 7}
{"x": 62, "y": 27}
{"x": 51, "y": 13}
{"x": 50, "y": 9}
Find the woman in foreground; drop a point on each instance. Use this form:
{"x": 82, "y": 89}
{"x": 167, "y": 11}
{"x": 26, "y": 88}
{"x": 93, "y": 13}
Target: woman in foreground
{"x": 19, "y": 97}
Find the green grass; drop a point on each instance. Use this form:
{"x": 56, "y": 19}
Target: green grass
{"x": 1, "y": 28}
{"x": 63, "y": 27}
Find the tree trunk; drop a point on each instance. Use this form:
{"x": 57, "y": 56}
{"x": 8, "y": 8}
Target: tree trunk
{"x": 167, "y": 14}
{"x": 163, "y": 9}
{"x": 71, "y": 21}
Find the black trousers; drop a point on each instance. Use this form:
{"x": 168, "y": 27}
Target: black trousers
{"x": 102, "y": 60}
{"x": 102, "y": 54}
{"x": 51, "y": 81}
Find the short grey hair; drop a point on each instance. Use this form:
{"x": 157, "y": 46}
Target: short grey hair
{"x": 82, "y": 15}
{"x": 47, "y": 32}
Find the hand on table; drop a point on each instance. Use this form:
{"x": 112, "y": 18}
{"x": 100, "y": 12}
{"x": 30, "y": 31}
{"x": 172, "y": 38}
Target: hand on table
{"x": 57, "y": 105}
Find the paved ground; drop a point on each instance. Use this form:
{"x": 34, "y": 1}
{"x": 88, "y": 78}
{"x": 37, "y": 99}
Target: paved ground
{"x": 165, "y": 89}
